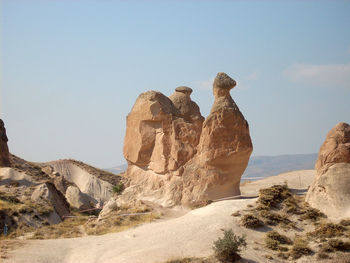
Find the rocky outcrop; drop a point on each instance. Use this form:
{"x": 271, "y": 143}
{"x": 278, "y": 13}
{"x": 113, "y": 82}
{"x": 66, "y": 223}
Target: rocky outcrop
{"x": 4, "y": 150}
{"x": 79, "y": 200}
{"x": 175, "y": 157}
{"x": 66, "y": 173}
{"x": 47, "y": 192}
{"x": 224, "y": 148}
{"x": 330, "y": 191}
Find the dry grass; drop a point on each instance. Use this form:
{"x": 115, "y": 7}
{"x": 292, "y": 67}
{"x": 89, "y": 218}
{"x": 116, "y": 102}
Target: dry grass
{"x": 300, "y": 248}
{"x": 116, "y": 223}
{"x": 250, "y": 221}
{"x": 272, "y": 218}
{"x": 273, "y": 196}
{"x": 327, "y": 230}
{"x": 275, "y": 240}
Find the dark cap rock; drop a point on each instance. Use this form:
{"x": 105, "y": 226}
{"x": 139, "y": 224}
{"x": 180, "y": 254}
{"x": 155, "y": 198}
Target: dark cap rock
{"x": 223, "y": 81}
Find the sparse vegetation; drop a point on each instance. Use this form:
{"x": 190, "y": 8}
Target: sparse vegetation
{"x": 227, "y": 248}
{"x": 328, "y": 230}
{"x": 335, "y": 245}
{"x": 300, "y": 248}
{"x": 345, "y": 222}
{"x": 250, "y": 221}
{"x": 277, "y": 206}
{"x": 273, "y": 196}
{"x": 271, "y": 218}
{"x": 312, "y": 214}
{"x": 275, "y": 240}
{"x": 119, "y": 188}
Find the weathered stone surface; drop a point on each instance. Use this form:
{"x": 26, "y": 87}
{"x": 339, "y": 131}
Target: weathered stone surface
{"x": 330, "y": 191}
{"x": 174, "y": 158}
{"x": 47, "y": 192}
{"x": 78, "y": 199}
{"x": 4, "y": 150}
{"x": 162, "y": 133}
{"x": 224, "y": 148}
{"x": 335, "y": 149}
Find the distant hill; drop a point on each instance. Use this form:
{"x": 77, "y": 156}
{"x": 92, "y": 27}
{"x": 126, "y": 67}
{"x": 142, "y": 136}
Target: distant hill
{"x": 117, "y": 169}
{"x": 263, "y": 166}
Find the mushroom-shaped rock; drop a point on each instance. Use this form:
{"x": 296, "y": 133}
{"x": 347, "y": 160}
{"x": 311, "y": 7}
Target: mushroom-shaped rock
{"x": 330, "y": 190}
{"x": 4, "y": 150}
{"x": 225, "y": 145}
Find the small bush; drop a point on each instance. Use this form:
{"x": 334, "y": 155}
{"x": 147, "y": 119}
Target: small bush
{"x": 250, "y": 221}
{"x": 312, "y": 214}
{"x": 300, "y": 248}
{"x": 335, "y": 245}
{"x": 272, "y": 218}
{"x": 345, "y": 222}
{"x": 328, "y": 230}
{"x": 273, "y": 240}
{"x": 274, "y": 195}
{"x": 227, "y": 248}
{"x": 119, "y": 188}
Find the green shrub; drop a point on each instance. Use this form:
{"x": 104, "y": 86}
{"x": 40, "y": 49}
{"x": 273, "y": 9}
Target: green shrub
{"x": 227, "y": 248}
{"x": 119, "y": 188}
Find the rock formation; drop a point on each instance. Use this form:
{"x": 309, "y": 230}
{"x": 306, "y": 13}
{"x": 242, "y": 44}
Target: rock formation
{"x": 47, "y": 192}
{"x": 330, "y": 190}
{"x": 4, "y": 150}
{"x": 175, "y": 157}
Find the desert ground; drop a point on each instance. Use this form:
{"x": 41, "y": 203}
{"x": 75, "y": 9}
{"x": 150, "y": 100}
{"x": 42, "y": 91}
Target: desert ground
{"x": 188, "y": 235}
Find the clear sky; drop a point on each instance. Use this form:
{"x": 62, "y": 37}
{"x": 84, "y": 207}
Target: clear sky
{"x": 72, "y": 69}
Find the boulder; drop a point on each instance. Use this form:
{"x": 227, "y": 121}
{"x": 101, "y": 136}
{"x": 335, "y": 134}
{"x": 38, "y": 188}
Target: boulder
{"x": 330, "y": 190}
{"x": 47, "y": 193}
{"x": 4, "y": 150}
{"x": 175, "y": 157}
{"x": 79, "y": 200}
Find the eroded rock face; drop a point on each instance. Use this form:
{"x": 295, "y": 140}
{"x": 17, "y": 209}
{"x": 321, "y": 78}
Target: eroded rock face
{"x": 48, "y": 192}
{"x": 175, "y": 157}
{"x": 335, "y": 149}
{"x": 225, "y": 145}
{"x": 4, "y": 150}
{"x": 330, "y": 191}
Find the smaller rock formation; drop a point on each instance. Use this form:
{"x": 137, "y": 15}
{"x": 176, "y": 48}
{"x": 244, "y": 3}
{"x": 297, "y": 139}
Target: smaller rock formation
{"x": 330, "y": 190}
{"x": 4, "y": 150}
{"x": 47, "y": 192}
{"x": 79, "y": 200}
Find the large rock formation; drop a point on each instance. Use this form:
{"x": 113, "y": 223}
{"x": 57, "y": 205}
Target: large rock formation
{"x": 330, "y": 191}
{"x": 175, "y": 158}
{"x": 4, "y": 150}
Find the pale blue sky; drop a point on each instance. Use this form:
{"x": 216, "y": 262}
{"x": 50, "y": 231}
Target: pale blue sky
{"x": 72, "y": 69}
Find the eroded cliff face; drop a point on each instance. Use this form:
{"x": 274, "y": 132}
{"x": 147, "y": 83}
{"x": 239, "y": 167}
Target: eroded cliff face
{"x": 175, "y": 157}
{"x": 330, "y": 190}
{"x": 4, "y": 150}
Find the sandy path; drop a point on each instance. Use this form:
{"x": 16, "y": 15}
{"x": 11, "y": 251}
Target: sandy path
{"x": 190, "y": 235}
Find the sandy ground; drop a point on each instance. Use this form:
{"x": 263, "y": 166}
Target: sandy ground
{"x": 190, "y": 235}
